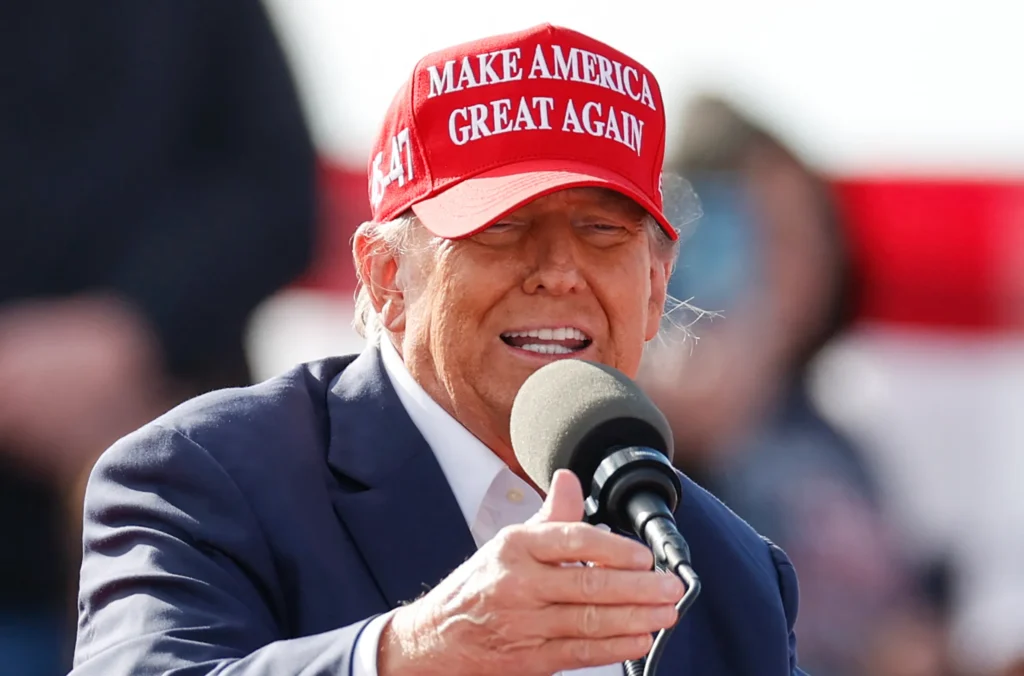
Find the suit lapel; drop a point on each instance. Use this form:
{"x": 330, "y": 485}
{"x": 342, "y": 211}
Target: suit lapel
{"x": 391, "y": 492}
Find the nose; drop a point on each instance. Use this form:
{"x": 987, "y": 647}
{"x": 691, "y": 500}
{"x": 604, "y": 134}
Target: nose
{"x": 556, "y": 269}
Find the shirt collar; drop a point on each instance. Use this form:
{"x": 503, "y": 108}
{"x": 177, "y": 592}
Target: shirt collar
{"x": 467, "y": 463}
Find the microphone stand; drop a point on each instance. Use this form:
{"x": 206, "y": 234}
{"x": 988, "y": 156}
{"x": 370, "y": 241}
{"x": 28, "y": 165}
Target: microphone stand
{"x": 649, "y": 666}
{"x": 637, "y": 489}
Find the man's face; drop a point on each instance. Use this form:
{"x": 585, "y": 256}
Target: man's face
{"x": 570, "y": 275}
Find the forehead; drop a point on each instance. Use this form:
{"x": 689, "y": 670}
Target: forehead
{"x": 600, "y": 200}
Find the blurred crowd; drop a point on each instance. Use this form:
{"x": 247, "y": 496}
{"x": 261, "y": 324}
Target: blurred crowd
{"x": 158, "y": 185}
{"x": 770, "y": 260}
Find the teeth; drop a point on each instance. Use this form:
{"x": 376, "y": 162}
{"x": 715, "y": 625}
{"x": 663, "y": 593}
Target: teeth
{"x": 562, "y": 333}
{"x": 543, "y": 334}
{"x": 546, "y": 349}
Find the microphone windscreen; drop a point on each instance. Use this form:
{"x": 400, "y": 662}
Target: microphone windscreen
{"x": 570, "y": 414}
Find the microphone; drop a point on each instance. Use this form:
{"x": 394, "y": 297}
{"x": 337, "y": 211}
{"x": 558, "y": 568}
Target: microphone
{"x": 594, "y": 421}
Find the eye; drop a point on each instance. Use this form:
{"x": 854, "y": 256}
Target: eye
{"x": 605, "y": 229}
{"x": 501, "y": 233}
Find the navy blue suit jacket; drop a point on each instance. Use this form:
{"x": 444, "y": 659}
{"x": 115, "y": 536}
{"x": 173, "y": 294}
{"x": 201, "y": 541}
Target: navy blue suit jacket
{"x": 255, "y": 531}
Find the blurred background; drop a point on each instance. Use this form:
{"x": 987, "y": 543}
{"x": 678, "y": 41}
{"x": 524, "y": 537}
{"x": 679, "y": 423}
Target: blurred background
{"x": 179, "y": 182}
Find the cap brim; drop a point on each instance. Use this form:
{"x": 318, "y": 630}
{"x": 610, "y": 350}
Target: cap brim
{"x": 476, "y": 203}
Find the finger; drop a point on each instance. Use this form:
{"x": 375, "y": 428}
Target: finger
{"x": 574, "y": 653}
{"x": 573, "y": 542}
{"x": 603, "y": 586}
{"x": 597, "y": 621}
{"x": 564, "y": 501}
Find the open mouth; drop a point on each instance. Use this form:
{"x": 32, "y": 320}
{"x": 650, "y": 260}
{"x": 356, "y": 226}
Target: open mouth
{"x": 554, "y": 341}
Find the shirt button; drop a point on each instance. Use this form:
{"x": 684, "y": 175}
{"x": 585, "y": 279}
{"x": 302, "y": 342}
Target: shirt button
{"x": 514, "y": 495}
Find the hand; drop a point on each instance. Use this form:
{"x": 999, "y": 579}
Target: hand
{"x": 517, "y": 607}
{"x": 76, "y": 374}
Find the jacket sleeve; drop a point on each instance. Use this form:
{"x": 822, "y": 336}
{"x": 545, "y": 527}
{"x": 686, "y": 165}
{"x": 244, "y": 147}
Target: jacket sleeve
{"x": 790, "y": 591}
{"x": 177, "y": 577}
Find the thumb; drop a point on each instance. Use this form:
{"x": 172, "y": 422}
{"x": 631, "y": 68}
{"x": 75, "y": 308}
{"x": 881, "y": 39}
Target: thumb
{"x": 564, "y": 501}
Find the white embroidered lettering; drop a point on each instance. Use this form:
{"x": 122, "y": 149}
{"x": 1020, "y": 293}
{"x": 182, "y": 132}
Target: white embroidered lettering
{"x": 593, "y": 128}
{"x": 566, "y": 68}
{"x": 443, "y": 82}
{"x": 458, "y": 135}
{"x": 589, "y": 67}
{"x": 645, "y": 94}
{"x": 510, "y": 65}
{"x": 399, "y": 170}
{"x": 500, "y": 109}
{"x": 626, "y": 72}
{"x": 487, "y": 74}
{"x": 524, "y": 120}
{"x": 544, "y": 105}
{"x": 540, "y": 65}
{"x": 466, "y": 76}
{"x": 478, "y": 121}
{"x": 572, "y": 121}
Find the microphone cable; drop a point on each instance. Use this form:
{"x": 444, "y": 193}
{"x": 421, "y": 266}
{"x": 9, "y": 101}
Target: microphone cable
{"x": 648, "y": 666}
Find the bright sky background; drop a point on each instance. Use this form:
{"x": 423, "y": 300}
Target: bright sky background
{"x": 899, "y": 85}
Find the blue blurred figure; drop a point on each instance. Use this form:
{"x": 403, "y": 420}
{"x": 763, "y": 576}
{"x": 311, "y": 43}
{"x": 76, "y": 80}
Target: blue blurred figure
{"x": 770, "y": 258}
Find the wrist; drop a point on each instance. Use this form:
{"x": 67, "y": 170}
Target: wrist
{"x": 400, "y": 651}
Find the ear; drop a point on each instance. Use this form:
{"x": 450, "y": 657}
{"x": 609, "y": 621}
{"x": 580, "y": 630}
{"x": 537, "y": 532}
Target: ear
{"x": 660, "y": 273}
{"x": 377, "y": 268}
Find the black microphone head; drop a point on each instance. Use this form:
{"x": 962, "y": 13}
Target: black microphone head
{"x": 570, "y": 414}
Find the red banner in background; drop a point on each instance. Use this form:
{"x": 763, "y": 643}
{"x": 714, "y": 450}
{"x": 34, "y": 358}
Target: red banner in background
{"x": 940, "y": 253}
{"x": 344, "y": 205}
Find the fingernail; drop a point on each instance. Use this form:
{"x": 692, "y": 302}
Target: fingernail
{"x": 671, "y": 585}
{"x": 665, "y": 616}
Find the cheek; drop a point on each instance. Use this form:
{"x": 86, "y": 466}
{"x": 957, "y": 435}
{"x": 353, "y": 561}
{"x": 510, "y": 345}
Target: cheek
{"x": 461, "y": 307}
{"x": 632, "y": 311}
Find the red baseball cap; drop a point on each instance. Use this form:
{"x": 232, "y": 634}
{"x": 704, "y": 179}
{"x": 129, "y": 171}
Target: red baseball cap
{"x": 485, "y": 127}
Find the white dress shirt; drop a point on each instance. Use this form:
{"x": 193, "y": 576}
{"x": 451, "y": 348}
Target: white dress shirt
{"x": 489, "y": 494}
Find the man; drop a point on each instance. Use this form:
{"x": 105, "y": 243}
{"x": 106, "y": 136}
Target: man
{"x": 366, "y": 514}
